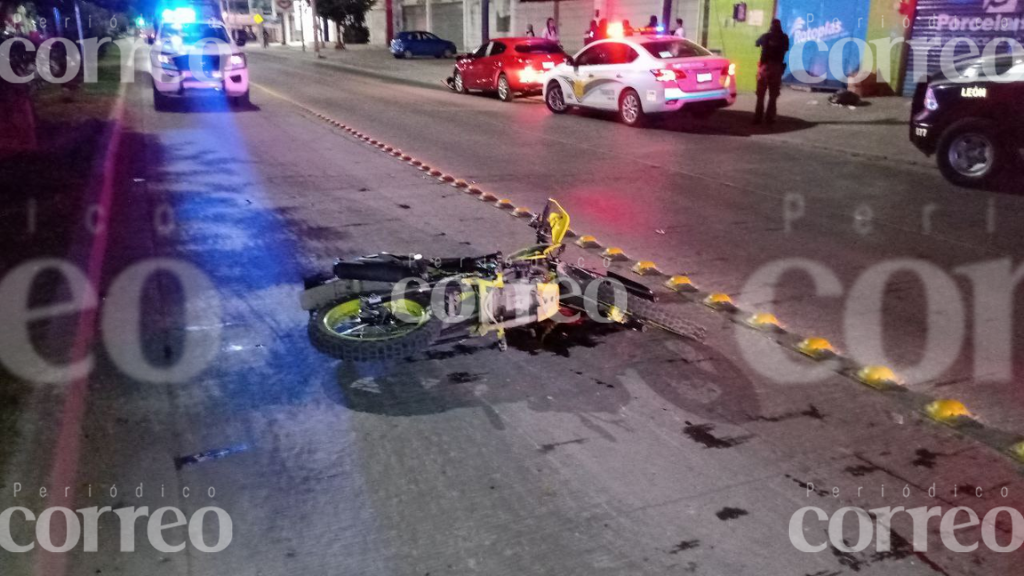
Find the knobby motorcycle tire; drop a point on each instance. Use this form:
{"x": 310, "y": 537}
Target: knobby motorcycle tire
{"x": 654, "y": 314}
{"x": 398, "y": 348}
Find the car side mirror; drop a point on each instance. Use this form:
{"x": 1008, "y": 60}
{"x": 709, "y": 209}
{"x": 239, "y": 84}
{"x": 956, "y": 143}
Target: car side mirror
{"x": 149, "y": 40}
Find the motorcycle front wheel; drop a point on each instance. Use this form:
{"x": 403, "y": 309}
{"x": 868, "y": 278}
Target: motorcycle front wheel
{"x": 357, "y": 331}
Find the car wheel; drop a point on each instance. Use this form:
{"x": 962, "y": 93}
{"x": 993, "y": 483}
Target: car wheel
{"x": 971, "y": 153}
{"x": 448, "y": 53}
{"x": 504, "y": 90}
{"x": 241, "y": 101}
{"x": 555, "y": 100}
{"x": 460, "y": 86}
{"x": 631, "y": 112}
{"x": 159, "y": 101}
{"x": 407, "y": 55}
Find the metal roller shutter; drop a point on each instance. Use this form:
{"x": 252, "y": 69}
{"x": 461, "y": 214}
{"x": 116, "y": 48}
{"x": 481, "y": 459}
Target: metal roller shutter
{"x": 980, "y": 21}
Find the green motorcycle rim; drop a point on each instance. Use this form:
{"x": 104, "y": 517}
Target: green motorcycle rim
{"x": 345, "y": 321}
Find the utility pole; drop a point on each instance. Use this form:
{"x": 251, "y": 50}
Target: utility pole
{"x": 302, "y": 26}
{"x": 666, "y": 16}
{"x": 485, "y": 20}
{"x": 316, "y": 27}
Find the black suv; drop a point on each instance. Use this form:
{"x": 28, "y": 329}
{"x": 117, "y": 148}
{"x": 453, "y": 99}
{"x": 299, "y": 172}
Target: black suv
{"x": 973, "y": 121}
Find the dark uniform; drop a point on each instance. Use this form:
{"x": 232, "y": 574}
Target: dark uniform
{"x": 774, "y": 46}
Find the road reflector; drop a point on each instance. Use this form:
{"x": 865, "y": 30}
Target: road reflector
{"x": 448, "y": 178}
{"x": 570, "y": 233}
{"x": 680, "y": 283}
{"x": 614, "y": 253}
{"x": 389, "y": 148}
{"x": 488, "y": 197}
{"x": 396, "y": 153}
{"x": 380, "y": 145}
{"x": 522, "y": 213}
{"x": 718, "y": 301}
{"x": 435, "y": 172}
{"x": 474, "y": 191}
{"x": 374, "y": 142}
{"x": 406, "y": 157}
{"x": 816, "y": 348}
{"x": 505, "y": 204}
{"x": 588, "y": 241}
{"x": 1018, "y": 451}
{"x": 646, "y": 268}
{"x": 946, "y": 410}
{"x": 877, "y": 376}
{"x": 764, "y": 321}
{"x": 416, "y": 163}
{"x": 425, "y": 167}
{"x": 460, "y": 184}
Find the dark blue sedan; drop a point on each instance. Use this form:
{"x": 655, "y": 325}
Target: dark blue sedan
{"x": 410, "y": 44}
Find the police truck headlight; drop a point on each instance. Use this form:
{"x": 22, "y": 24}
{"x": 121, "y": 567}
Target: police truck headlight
{"x": 236, "y": 62}
{"x": 166, "y": 61}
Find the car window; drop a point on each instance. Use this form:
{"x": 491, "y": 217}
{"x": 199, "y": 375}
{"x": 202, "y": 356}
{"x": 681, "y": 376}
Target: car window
{"x": 497, "y": 48}
{"x": 482, "y": 50}
{"x": 189, "y": 34}
{"x": 593, "y": 56}
{"x": 675, "y": 48}
{"x": 541, "y": 47}
{"x": 621, "y": 54}
{"x": 416, "y": 36}
{"x": 429, "y": 36}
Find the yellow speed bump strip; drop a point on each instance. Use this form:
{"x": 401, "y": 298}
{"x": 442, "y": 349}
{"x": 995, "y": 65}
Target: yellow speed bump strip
{"x": 817, "y": 348}
{"x": 764, "y": 321}
{"x": 878, "y": 377}
{"x": 588, "y": 241}
{"x": 614, "y": 254}
{"x": 947, "y": 411}
{"x": 646, "y": 268}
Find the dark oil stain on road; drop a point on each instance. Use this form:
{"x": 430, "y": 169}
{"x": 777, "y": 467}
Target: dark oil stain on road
{"x": 560, "y": 338}
{"x": 684, "y": 546}
{"x": 405, "y": 207}
{"x": 925, "y": 458}
{"x": 701, "y": 434}
{"x": 463, "y": 377}
{"x": 811, "y": 412}
{"x": 729, "y": 513}
{"x": 548, "y": 448}
{"x": 807, "y": 485}
{"x": 861, "y": 470}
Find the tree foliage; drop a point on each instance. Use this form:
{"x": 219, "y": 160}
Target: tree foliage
{"x": 347, "y": 13}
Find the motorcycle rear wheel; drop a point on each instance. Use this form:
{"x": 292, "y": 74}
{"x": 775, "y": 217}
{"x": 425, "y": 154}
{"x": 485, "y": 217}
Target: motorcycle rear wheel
{"x": 342, "y": 330}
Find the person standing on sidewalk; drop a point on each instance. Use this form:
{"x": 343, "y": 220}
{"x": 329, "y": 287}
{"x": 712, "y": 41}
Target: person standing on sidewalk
{"x": 550, "y": 31}
{"x": 680, "y": 31}
{"x": 774, "y": 46}
{"x": 529, "y": 30}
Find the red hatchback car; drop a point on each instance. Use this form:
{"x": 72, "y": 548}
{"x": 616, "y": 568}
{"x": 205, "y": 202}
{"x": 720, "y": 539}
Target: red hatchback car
{"x": 507, "y": 66}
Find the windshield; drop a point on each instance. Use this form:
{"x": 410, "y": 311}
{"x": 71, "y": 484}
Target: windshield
{"x": 189, "y": 34}
{"x": 675, "y": 48}
{"x": 539, "y": 48}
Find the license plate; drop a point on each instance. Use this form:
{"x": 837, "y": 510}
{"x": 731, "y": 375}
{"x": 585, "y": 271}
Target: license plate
{"x": 548, "y": 65}
{"x": 704, "y": 77}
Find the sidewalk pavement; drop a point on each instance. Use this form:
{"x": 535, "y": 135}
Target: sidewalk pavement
{"x": 875, "y": 130}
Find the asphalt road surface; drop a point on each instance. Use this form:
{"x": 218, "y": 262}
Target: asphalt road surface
{"x": 581, "y": 450}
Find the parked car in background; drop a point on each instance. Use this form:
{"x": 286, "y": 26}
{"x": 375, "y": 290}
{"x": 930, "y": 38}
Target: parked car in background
{"x": 417, "y": 43}
{"x": 507, "y": 66}
{"x": 972, "y": 122}
{"x": 642, "y": 75}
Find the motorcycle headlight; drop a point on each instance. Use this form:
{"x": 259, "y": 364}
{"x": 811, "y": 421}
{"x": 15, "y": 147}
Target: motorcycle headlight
{"x": 236, "y": 62}
{"x": 929, "y": 100}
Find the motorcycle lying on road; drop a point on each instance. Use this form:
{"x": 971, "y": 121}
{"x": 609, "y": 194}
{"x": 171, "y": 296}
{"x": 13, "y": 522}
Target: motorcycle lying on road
{"x": 389, "y": 307}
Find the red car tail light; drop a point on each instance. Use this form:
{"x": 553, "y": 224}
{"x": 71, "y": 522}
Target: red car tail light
{"x": 729, "y": 70}
{"x": 665, "y": 75}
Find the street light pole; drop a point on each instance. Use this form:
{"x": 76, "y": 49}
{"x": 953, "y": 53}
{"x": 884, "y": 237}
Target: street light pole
{"x": 485, "y": 21}
{"x": 316, "y": 29}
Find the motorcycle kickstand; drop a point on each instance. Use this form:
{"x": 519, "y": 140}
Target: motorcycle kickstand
{"x": 502, "y": 341}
